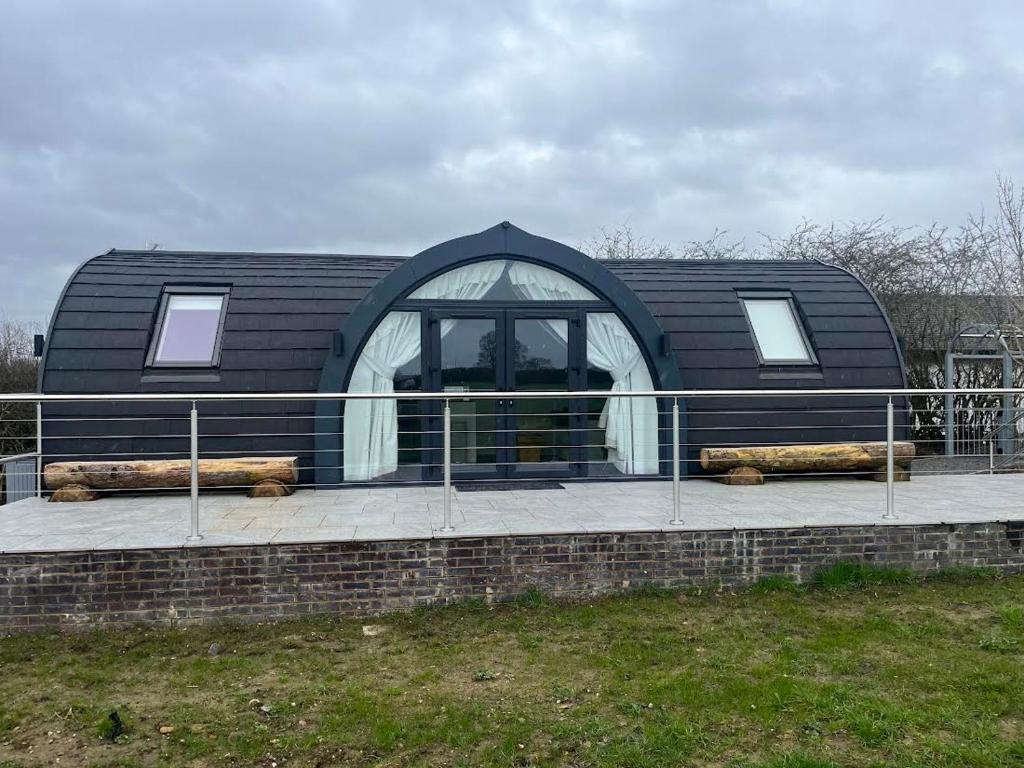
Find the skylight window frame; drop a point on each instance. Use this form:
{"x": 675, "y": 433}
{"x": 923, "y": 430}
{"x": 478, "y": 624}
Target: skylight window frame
{"x": 811, "y": 360}
{"x": 166, "y": 295}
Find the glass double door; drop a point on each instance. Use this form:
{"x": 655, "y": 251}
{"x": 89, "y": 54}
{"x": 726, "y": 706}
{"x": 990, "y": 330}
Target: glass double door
{"x": 509, "y": 351}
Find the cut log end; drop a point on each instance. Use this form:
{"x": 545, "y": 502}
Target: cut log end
{"x": 74, "y": 493}
{"x": 742, "y": 476}
{"x": 269, "y": 489}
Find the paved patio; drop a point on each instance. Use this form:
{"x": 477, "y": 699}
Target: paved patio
{"x": 128, "y": 522}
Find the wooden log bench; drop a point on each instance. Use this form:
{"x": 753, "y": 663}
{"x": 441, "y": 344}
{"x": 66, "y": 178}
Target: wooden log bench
{"x": 81, "y": 480}
{"x": 748, "y": 465}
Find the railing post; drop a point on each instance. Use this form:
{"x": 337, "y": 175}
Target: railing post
{"x": 991, "y": 457}
{"x": 676, "y": 500}
{"x": 447, "y": 468}
{"x": 194, "y": 535}
{"x": 39, "y": 449}
{"x": 1006, "y": 430}
{"x": 890, "y": 495}
{"x": 950, "y": 406}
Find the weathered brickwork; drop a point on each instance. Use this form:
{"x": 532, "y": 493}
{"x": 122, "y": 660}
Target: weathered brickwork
{"x": 70, "y": 589}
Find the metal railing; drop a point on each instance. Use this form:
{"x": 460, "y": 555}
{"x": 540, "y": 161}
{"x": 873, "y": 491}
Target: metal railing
{"x": 974, "y": 419}
{"x": 9, "y": 462}
{"x": 1010, "y": 441}
{"x": 807, "y": 414}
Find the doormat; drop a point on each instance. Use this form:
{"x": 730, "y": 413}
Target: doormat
{"x": 509, "y": 485}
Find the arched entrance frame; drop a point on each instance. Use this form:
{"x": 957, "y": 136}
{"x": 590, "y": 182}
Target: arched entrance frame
{"x": 977, "y": 344}
{"x": 498, "y": 242}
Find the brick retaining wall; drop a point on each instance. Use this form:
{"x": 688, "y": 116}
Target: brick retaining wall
{"x": 258, "y": 583}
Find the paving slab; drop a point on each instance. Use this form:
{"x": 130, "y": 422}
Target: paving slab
{"x": 364, "y": 513}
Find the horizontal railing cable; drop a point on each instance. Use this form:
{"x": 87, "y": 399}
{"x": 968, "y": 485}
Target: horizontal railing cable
{"x": 450, "y": 438}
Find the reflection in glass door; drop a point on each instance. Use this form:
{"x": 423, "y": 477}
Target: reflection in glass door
{"x": 541, "y": 429}
{"x": 470, "y": 362}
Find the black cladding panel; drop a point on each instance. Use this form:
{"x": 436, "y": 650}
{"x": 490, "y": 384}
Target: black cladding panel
{"x": 714, "y": 349}
{"x": 286, "y": 310}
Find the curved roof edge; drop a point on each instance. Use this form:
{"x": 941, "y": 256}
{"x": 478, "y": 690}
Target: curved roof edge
{"x": 41, "y": 372}
{"x": 883, "y": 311}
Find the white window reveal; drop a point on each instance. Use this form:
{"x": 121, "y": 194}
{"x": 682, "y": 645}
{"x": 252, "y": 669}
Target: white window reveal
{"x": 189, "y": 331}
{"x": 777, "y": 331}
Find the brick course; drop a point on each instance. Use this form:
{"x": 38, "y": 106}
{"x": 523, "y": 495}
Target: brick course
{"x": 267, "y": 582}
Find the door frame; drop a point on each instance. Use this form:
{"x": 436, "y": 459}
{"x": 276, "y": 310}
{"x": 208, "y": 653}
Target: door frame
{"x": 504, "y": 323}
{"x": 431, "y": 346}
{"x": 576, "y": 362}
{"x": 431, "y": 411}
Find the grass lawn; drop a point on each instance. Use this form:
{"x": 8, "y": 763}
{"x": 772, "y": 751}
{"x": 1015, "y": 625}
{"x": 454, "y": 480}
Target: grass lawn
{"x": 866, "y": 668}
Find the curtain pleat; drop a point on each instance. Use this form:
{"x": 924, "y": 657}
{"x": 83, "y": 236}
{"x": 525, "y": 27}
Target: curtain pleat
{"x": 630, "y": 423}
{"x": 371, "y": 426}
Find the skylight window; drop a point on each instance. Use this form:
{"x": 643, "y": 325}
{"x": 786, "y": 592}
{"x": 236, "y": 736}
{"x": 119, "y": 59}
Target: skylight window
{"x": 189, "y": 330}
{"x": 777, "y": 332}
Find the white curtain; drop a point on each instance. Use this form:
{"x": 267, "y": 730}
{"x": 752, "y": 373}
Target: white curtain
{"x": 470, "y": 282}
{"x": 630, "y": 423}
{"x": 371, "y": 426}
{"x": 542, "y": 284}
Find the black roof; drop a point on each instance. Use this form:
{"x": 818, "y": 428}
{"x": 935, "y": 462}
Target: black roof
{"x": 285, "y": 307}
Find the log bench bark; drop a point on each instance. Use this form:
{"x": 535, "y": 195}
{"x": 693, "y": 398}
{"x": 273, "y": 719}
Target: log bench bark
{"x": 80, "y": 480}
{"x": 748, "y": 465}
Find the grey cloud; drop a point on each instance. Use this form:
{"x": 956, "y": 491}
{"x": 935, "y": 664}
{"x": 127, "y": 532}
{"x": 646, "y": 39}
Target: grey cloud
{"x": 386, "y": 127}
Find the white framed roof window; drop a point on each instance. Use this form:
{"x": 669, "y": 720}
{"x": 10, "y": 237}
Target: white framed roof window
{"x": 189, "y": 327}
{"x": 778, "y": 334}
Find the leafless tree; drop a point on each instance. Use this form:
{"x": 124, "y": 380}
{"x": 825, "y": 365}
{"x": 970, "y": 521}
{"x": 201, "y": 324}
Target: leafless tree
{"x": 717, "y": 247}
{"x": 1003, "y": 277}
{"x": 928, "y": 279}
{"x": 18, "y": 369}
{"x": 932, "y": 281}
{"x": 623, "y": 243}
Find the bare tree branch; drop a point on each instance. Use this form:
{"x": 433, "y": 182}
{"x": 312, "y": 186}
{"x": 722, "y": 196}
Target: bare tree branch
{"x": 17, "y": 374}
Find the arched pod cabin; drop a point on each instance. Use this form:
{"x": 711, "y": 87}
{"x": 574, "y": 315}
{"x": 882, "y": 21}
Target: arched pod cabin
{"x": 501, "y": 310}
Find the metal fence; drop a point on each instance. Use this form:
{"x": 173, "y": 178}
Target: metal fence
{"x": 511, "y": 437}
{"x": 19, "y": 475}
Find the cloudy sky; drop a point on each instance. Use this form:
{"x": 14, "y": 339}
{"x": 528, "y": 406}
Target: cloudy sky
{"x": 386, "y": 127}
